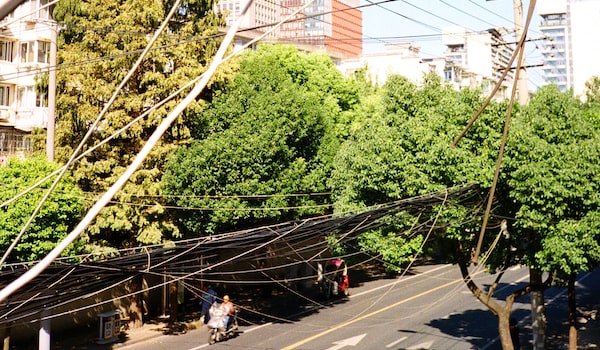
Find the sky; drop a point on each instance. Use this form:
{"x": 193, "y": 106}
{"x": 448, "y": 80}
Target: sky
{"x": 420, "y": 22}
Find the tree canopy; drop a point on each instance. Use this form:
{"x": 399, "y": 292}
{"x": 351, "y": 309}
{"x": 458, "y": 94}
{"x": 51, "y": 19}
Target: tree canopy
{"x": 552, "y": 180}
{"x": 404, "y": 150}
{"x": 264, "y": 144}
{"x": 98, "y": 46}
{"x": 57, "y": 217}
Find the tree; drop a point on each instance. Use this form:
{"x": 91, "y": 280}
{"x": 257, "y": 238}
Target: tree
{"x": 403, "y": 150}
{"x": 551, "y": 174}
{"x": 57, "y": 217}
{"x": 263, "y": 144}
{"x": 99, "y": 43}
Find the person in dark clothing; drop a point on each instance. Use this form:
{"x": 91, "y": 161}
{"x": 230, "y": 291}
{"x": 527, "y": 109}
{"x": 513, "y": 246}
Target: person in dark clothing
{"x": 514, "y": 333}
{"x": 208, "y": 296}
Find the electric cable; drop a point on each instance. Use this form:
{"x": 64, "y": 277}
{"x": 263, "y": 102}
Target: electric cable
{"x": 15, "y": 285}
{"x": 89, "y": 133}
{"x": 142, "y": 254}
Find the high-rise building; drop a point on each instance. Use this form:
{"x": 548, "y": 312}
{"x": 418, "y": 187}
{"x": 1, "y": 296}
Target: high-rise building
{"x": 333, "y": 26}
{"x": 570, "y": 55}
{"x": 25, "y": 43}
{"x": 261, "y": 14}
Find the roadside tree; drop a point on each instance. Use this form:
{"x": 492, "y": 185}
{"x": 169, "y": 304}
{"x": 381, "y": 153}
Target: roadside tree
{"x": 98, "y": 45}
{"x": 551, "y": 175}
{"x": 58, "y": 216}
{"x": 264, "y": 146}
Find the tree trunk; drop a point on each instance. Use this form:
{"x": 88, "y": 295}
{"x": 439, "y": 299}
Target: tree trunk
{"x": 504, "y": 330}
{"x": 538, "y": 314}
{"x": 173, "y": 317}
{"x": 572, "y": 313}
{"x": 502, "y": 312}
{"x": 134, "y": 312}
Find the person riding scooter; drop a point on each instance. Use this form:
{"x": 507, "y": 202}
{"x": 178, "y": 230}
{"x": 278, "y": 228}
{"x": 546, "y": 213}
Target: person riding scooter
{"x": 221, "y": 325}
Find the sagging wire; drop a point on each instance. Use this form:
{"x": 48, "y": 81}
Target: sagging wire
{"x": 90, "y": 132}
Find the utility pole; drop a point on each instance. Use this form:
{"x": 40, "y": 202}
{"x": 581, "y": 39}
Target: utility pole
{"x": 523, "y": 89}
{"x": 51, "y": 92}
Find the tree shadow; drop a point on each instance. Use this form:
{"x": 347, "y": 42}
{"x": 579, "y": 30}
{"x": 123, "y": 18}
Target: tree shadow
{"x": 474, "y": 325}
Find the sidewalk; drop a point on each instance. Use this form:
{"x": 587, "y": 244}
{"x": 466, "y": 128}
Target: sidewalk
{"x": 88, "y": 339}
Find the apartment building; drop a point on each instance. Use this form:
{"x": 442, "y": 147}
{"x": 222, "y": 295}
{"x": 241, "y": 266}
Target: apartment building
{"x": 396, "y": 59}
{"x": 332, "y": 26}
{"x": 25, "y": 45}
{"x": 568, "y": 50}
{"x": 477, "y": 59}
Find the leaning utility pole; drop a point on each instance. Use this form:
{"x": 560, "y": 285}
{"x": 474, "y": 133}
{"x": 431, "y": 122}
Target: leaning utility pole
{"x": 538, "y": 313}
{"x": 523, "y": 89}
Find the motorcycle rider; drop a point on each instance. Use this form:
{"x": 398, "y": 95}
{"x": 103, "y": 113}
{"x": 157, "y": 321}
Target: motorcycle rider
{"x": 228, "y": 307}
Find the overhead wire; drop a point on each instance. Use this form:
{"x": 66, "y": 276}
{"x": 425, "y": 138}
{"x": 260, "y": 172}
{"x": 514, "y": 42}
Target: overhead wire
{"x": 521, "y": 51}
{"x": 254, "y": 248}
{"x": 467, "y": 13}
{"x": 133, "y": 166}
{"x": 90, "y": 132}
{"x": 218, "y": 59}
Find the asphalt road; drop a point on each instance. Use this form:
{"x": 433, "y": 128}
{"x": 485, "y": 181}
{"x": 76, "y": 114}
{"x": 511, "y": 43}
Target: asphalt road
{"x": 430, "y": 309}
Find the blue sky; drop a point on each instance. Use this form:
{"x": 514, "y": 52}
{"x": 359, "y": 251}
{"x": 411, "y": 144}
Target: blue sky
{"x": 421, "y": 21}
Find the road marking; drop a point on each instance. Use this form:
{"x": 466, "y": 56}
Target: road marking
{"x": 398, "y": 281}
{"x": 426, "y": 345}
{"x": 347, "y": 323}
{"x": 258, "y": 327}
{"x": 396, "y": 342}
{"x": 347, "y": 342}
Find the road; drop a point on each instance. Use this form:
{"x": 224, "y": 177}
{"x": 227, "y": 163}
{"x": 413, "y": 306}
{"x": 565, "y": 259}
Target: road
{"x": 431, "y": 309}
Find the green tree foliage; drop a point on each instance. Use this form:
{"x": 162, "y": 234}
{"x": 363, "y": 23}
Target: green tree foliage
{"x": 263, "y": 143}
{"x": 99, "y": 44}
{"x": 552, "y": 176}
{"x": 404, "y": 150}
{"x": 58, "y": 216}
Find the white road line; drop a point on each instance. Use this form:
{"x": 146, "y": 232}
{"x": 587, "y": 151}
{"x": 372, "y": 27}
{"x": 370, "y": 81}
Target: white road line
{"x": 396, "y": 342}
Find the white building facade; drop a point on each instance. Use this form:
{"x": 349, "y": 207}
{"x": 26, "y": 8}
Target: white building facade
{"x": 475, "y": 60}
{"x": 569, "y": 50}
{"x": 397, "y": 59}
{"x": 25, "y": 46}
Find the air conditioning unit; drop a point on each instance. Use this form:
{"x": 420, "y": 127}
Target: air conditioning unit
{"x": 4, "y": 114}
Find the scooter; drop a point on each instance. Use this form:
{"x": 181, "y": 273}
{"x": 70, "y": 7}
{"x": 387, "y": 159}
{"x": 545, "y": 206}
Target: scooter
{"x": 217, "y": 329}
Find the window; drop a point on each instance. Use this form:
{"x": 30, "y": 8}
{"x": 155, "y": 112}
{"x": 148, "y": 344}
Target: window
{"x": 41, "y": 100}
{"x": 27, "y": 97}
{"x": 44, "y": 12}
{"x": 4, "y": 95}
{"x": 28, "y": 49}
{"x": 27, "y": 53}
{"x": 43, "y": 52}
{"x": 6, "y": 51}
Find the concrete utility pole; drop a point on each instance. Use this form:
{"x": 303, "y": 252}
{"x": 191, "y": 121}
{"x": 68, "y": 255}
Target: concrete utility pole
{"x": 52, "y": 92}
{"x": 523, "y": 89}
